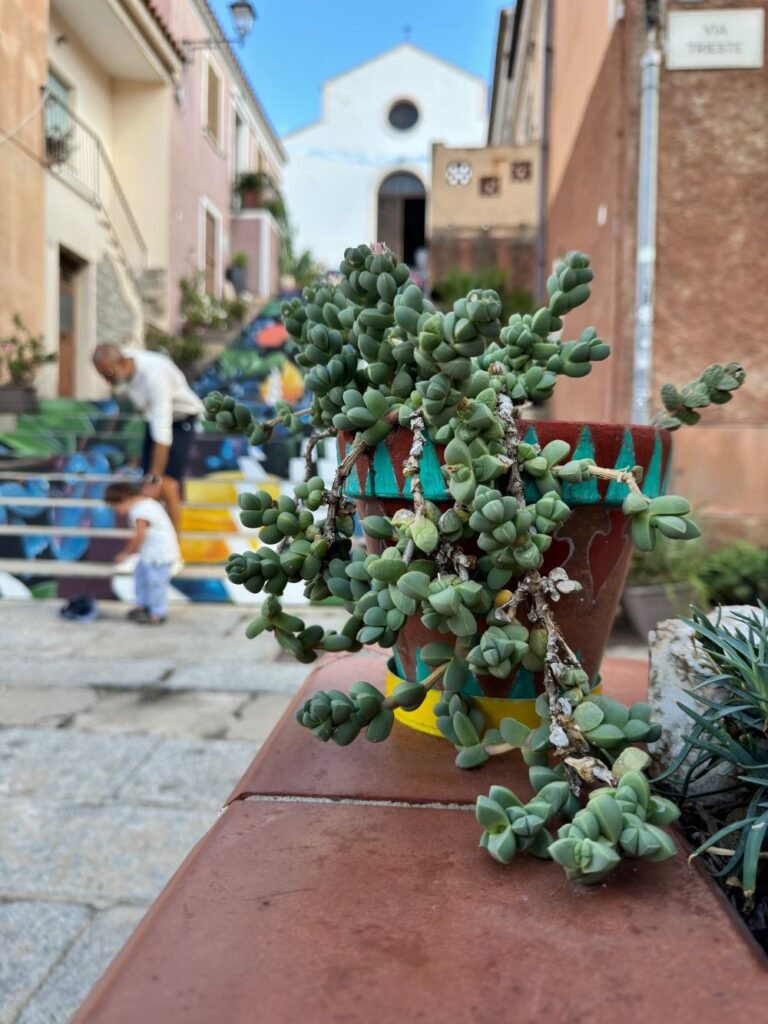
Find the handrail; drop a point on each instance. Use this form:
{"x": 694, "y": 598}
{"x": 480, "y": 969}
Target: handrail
{"x": 75, "y": 152}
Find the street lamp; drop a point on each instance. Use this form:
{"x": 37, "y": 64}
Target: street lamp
{"x": 243, "y": 16}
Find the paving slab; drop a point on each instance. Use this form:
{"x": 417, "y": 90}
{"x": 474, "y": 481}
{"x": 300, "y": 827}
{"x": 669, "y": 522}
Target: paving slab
{"x": 256, "y": 719}
{"x": 72, "y": 977}
{"x": 48, "y": 764}
{"x": 98, "y": 855}
{"x": 184, "y": 773}
{"x": 164, "y": 712}
{"x": 85, "y": 670}
{"x": 33, "y": 936}
{"x": 409, "y": 766}
{"x": 37, "y": 705}
{"x": 238, "y": 675}
{"x": 334, "y": 912}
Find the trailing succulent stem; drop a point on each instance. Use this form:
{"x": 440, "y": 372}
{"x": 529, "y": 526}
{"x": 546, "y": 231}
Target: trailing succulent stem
{"x": 378, "y": 356}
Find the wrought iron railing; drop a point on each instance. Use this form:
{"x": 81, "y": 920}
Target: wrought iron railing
{"x": 74, "y": 152}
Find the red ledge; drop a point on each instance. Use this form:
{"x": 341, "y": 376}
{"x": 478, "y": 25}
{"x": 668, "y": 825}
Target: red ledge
{"x": 329, "y": 912}
{"x": 410, "y": 766}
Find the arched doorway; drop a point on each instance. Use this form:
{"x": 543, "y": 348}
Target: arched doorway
{"x": 402, "y": 215}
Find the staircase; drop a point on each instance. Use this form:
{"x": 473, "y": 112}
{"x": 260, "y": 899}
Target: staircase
{"x": 57, "y": 537}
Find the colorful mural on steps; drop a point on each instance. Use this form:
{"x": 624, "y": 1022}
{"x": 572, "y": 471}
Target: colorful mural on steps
{"x": 94, "y": 438}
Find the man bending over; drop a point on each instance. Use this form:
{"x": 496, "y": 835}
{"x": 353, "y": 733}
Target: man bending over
{"x": 160, "y": 392}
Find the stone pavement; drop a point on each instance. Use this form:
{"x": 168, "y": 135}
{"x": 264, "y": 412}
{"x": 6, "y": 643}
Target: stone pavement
{"x": 118, "y": 745}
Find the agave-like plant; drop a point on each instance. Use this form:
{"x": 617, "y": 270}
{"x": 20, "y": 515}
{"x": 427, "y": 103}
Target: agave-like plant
{"x": 729, "y": 731}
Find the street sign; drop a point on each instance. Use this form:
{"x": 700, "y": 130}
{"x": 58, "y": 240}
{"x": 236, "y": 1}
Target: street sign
{"x": 715, "y": 39}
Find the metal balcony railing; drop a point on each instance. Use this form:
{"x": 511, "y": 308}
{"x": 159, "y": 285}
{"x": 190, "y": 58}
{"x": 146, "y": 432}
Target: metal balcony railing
{"x": 75, "y": 153}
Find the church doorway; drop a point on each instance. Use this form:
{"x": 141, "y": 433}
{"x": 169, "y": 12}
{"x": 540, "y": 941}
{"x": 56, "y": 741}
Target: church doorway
{"x": 402, "y": 215}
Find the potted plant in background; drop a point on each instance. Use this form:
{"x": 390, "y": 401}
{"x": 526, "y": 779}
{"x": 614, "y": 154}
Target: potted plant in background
{"x": 734, "y": 574}
{"x": 662, "y": 584}
{"x": 255, "y": 189}
{"x": 238, "y": 272}
{"x": 22, "y": 353}
{"x": 497, "y": 547}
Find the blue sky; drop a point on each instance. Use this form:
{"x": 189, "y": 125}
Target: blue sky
{"x": 296, "y": 44}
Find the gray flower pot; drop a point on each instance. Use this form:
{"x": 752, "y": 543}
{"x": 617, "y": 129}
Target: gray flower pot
{"x": 646, "y": 606}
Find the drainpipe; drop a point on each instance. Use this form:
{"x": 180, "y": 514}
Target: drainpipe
{"x": 647, "y": 189}
{"x": 541, "y": 240}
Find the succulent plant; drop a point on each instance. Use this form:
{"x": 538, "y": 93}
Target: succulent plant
{"x": 378, "y": 355}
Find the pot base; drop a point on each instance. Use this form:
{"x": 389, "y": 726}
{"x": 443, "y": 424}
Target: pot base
{"x": 494, "y": 708}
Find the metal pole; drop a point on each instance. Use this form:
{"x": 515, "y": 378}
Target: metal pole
{"x": 541, "y": 240}
{"x": 645, "y": 272}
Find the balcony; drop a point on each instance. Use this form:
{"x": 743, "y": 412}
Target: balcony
{"x": 75, "y": 154}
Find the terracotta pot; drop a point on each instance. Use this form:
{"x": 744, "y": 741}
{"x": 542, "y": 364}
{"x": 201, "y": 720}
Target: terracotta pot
{"x": 251, "y": 199}
{"x": 593, "y": 545}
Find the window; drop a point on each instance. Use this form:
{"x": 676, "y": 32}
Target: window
{"x": 403, "y": 115}
{"x": 210, "y": 246}
{"x": 58, "y": 124}
{"x": 213, "y": 104}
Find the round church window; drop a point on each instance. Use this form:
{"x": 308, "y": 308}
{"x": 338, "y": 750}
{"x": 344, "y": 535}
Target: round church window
{"x": 403, "y": 115}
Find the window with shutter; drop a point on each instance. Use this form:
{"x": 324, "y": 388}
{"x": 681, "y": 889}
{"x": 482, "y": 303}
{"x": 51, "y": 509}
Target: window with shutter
{"x": 212, "y": 126}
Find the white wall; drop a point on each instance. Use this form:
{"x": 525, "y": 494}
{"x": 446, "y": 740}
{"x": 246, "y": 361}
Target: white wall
{"x": 337, "y": 164}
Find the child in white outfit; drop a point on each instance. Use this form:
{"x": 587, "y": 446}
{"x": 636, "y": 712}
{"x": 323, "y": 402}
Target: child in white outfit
{"x": 155, "y": 540}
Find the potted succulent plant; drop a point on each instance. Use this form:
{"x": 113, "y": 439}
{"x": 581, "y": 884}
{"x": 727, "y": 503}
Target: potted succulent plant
{"x": 496, "y": 547}
{"x": 21, "y": 355}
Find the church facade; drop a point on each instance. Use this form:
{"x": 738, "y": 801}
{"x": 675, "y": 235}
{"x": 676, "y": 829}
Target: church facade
{"x": 362, "y": 172}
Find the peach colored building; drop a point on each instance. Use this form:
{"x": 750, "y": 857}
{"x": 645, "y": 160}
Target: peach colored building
{"x": 483, "y": 211}
{"x": 218, "y": 131}
{"x": 23, "y": 32}
{"x": 678, "y": 250}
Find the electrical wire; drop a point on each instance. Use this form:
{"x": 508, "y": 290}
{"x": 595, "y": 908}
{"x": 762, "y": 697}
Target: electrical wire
{"x": 7, "y": 136}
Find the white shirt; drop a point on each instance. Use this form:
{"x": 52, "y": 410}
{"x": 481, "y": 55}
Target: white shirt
{"x": 160, "y": 392}
{"x": 160, "y": 546}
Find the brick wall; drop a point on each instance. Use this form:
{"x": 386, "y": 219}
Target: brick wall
{"x": 711, "y": 260}
{"x": 469, "y": 251}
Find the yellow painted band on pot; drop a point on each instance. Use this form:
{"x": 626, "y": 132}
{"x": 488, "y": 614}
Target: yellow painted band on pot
{"x": 494, "y": 709}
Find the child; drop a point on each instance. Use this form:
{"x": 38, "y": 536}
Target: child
{"x": 155, "y": 541}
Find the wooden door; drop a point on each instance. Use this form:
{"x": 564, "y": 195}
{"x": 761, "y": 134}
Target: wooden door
{"x": 67, "y": 326}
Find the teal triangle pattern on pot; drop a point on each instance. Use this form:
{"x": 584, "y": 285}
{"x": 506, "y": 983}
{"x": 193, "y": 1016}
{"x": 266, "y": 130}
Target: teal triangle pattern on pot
{"x": 352, "y": 487}
{"x": 531, "y": 490}
{"x": 523, "y": 687}
{"x": 398, "y": 665}
{"x": 432, "y": 481}
{"x": 382, "y": 481}
{"x": 585, "y": 493}
{"x": 617, "y": 492}
{"x": 652, "y": 485}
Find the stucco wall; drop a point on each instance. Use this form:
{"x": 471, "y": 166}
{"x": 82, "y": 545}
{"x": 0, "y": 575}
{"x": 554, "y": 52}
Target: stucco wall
{"x": 581, "y": 34}
{"x": 337, "y": 165}
{"x": 23, "y": 25}
{"x": 142, "y": 157}
{"x": 467, "y": 206}
{"x": 593, "y": 210}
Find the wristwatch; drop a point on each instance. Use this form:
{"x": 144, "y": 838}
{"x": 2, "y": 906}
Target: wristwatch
{"x": 152, "y": 478}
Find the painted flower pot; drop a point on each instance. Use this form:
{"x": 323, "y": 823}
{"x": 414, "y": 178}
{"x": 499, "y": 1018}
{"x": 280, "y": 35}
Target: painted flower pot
{"x": 593, "y": 545}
